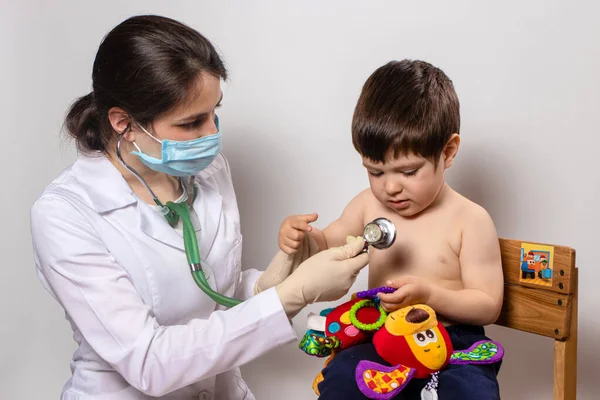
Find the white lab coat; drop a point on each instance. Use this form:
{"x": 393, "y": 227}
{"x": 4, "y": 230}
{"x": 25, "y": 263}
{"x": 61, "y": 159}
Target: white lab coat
{"x": 143, "y": 327}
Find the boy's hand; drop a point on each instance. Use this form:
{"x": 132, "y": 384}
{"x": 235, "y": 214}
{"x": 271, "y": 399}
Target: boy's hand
{"x": 410, "y": 290}
{"x": 292, "y": 231}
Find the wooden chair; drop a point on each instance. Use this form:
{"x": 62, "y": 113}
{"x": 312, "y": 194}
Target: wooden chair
{"x": 545, "y": 310}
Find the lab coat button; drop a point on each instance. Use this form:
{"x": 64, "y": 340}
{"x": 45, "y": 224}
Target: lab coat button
{"x": 204, "y": 395}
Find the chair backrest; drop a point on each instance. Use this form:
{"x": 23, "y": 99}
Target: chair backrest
{"x": 540, "y": 296}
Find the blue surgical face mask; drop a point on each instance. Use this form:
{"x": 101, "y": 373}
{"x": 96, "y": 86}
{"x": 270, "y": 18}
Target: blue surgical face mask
{"x": 183, "y": 158}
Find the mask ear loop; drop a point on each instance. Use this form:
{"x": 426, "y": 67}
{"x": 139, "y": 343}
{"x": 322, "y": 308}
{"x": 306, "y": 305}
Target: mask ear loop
{"x": 170, "y": 215}
{"x": 147, "y": 133}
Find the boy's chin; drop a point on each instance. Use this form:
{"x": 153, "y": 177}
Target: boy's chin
{"x": 408, "y": 212}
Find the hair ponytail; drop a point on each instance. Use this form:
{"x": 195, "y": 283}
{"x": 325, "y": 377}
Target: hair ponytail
{"x": 83, "y": 124}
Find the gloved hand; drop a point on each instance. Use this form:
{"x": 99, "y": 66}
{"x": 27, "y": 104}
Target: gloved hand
{"x": 284, "y": 264}
{"x": 325, "y": 277}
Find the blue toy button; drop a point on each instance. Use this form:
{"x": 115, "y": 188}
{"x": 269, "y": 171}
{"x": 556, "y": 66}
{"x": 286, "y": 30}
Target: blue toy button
{"x": 334, "y": 327}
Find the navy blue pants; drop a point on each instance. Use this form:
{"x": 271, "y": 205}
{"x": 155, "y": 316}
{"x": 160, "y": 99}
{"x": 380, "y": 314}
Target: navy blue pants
{"x": 456, "y": 382}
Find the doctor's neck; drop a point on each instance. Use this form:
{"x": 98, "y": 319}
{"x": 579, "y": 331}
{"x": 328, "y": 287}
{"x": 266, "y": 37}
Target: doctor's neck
{"x": 166, "y": 187}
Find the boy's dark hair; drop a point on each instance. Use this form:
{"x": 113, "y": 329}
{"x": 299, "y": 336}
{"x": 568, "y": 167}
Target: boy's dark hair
{"x": 405, "y": 106}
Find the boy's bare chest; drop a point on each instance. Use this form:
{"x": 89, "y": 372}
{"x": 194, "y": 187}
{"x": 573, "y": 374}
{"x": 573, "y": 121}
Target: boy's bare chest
{"x": 427, "y": 247}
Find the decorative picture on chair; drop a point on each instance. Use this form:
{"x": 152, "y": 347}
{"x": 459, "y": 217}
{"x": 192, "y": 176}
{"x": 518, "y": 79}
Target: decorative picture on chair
{"x": 537, "y": 264}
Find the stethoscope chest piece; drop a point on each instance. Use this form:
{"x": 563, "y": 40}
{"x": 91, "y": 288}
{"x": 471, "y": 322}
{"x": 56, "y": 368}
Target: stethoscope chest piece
{"x": 380, "y": 233}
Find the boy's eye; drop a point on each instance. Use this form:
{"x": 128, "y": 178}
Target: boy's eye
{"x": 375, "y": 174}
{"x": 410, "y": 173}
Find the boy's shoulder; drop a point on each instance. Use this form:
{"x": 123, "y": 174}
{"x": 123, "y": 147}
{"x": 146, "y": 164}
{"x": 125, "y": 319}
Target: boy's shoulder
{"x": 364, "y": 198}
{"x": 469, "y": 212}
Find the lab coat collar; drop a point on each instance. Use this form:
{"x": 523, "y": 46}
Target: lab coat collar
{"x": 105, "y": 186}
{"x": 156, "y": 226}
{"x": 207, "y": 205}
{"x": 108, "y": 191}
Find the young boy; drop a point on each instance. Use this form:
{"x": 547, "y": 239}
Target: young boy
{"x": 446, "y": 254}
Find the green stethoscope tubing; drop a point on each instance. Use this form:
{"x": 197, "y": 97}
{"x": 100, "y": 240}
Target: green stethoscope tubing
{"x": 192, "y": 252}
{"x": 190, "y": 240}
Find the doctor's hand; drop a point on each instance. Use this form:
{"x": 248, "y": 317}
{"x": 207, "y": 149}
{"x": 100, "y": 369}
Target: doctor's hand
{"x": 326, "y": 276}
{"x": 284, "y": 264}
{"x": 293, "y": 230}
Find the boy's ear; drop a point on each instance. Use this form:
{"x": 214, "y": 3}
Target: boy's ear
{"x": 450, "y": 150}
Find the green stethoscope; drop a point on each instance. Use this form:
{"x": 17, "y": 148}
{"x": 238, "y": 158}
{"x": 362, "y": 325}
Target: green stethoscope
{"x": 379, "y": 233}
{"x": 172, "y": 212}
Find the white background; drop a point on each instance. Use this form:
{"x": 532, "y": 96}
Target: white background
{"x": 527, "y": 75}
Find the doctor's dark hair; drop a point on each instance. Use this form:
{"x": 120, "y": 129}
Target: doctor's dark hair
{"x": 405, "y": 106}
{"x": 146, "y": 65}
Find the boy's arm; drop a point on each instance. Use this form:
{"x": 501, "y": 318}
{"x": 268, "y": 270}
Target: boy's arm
{"x": 350, "y": 223}
{"x": 480, "y": 301}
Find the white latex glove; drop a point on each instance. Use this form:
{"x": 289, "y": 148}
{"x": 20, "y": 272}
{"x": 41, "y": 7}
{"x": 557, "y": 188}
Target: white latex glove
{"x": 325, "y": 277}
{"x": 283, "y": 265}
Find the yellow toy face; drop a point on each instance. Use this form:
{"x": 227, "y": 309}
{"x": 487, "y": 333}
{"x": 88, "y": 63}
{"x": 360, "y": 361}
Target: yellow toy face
{"x": 429, "y": 348}
{"x": 418, "y": 325}
{"x": 410, "y": 320}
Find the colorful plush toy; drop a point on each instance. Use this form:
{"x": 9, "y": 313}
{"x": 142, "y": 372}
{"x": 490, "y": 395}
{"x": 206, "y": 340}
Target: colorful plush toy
{"x": 410, "y": 340}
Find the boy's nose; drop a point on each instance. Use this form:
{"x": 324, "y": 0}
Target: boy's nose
{"x": 393, "y": 187}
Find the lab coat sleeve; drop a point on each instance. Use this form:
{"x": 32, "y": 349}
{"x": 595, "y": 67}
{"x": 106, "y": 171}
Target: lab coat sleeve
{"x": 248, "y": 281}
{"x": 100, "y": 298}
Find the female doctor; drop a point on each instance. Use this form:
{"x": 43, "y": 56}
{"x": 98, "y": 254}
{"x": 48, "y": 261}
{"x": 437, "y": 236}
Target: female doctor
{"x": 106, "y": 251}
